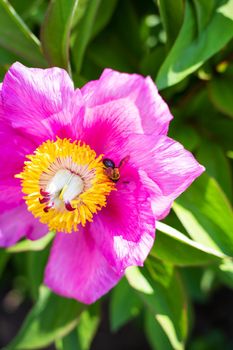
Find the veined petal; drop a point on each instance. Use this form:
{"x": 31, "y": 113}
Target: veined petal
{"x": 77, "y": 269}
{"x": 106, "y": 127}
{"x": 14, "y": 148}
{"x": 30, "y": 95}
{"x": 166, "y": 167}
{"x": 11, "y": 229}
{"x": 112, "y": 85}
{"x": 124, "y": 231}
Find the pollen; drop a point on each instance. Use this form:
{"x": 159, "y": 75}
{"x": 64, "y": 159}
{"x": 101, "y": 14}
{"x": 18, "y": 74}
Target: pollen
{"x": 65, "y": 184}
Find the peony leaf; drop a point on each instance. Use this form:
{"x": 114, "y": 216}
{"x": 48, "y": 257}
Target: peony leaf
{"x": 207, "y": 215}
{"x": 27, "y": 244}
{"x": 168, "y": 305}
{"x": 51, "y": 318}
{"x": 83, "y": 32}
{"x": 17, "y": 38}
{"x": 120, "y": 310}
{"x": 172, "y": 16}
{"x": 174, "y": 247}
{"x": 220, "y": 92}
{"x": 211, "y": 155}
{"x": 200, "y": 38}
{"x": 56, "y": 30}
{"x": 81, "y": 337}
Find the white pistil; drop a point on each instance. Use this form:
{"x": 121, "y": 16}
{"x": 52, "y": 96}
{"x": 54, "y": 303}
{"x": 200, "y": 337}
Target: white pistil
{"x": 64, "y": 187}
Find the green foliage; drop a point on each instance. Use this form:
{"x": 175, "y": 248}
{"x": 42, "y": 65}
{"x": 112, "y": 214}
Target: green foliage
{"x": 187, "y": 47}
{"x": 51, "y": 318}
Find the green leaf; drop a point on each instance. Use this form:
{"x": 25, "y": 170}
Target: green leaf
{"x": 81, "y": 337}
{"x": 124, "y": 305}
{"x": 225, "y": 272}
{"x": 83, "y": 32}
{"x": 168, "y": 306}
{"x": 155, "y": 334}
{"x": 174, "y": 247}
{"x": 4, "y": 257}
{"x": 55, "y": 33}
{"x": 172, "y": 16}
{"x": 104, "y": 14}
{"x": 27, "y": 244}
{"x": 50, "y": 319}
{"x": 206, "y": 214}
{"x": 212, "y": 157}
{"x": 193, "y": 48}
{"x": 137, "y": 280}
{"x": 152, "y": 61}
{"x": 35, "y": 267}
{"x": 220, "y": 91}
{"x": 16, "y": 37}
{"x": 159, "y": 270}
{"x": 185, "y": 134}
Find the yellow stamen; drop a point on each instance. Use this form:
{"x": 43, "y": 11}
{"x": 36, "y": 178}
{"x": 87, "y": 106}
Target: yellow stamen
{"x": 72, "y": 179}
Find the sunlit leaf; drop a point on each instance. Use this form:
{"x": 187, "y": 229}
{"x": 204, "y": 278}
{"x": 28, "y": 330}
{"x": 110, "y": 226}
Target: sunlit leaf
{"x": 168, "y": 305}
{"x": 193, "y": 48}
{"x": 81, "y": 337}
{"x": 27, "y": 244}
{"x": 176, "y": 248}
{"x": 207, "y": 215}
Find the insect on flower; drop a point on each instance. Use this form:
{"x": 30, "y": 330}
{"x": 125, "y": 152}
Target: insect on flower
{"x": 111, "y": 170}
{"x": 58, "y": 147}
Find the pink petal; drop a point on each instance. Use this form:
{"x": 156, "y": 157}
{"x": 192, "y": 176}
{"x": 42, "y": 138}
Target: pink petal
{"x": 112, "y": 85}
{"x": 77, "y": 269}
{"x": 165, "y": 167}
{"x": 124, "y": 231}
{"x": 17, "y": 223}
{"x": 106, "y": 127}
{"x": 31, "y": 95}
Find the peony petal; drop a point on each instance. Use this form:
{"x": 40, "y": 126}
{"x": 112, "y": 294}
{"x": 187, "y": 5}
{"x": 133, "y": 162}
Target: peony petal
{"x": 112, "y": 85}
{"x": 106, "y": 127}
{"x": 166, "y": 168}
{"x": 77, "y": 269}
{"x": 31, "y": 95}
{"x": 14, "y": 148}
{"x": 17, "y": 223}
{"x": 124, "y": 231}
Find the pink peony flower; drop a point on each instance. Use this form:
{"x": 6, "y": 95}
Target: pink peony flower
{"x": 93, "y": 164}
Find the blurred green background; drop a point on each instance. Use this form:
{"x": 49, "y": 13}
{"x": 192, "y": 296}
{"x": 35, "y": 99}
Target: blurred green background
{"x": 182, "y": 298}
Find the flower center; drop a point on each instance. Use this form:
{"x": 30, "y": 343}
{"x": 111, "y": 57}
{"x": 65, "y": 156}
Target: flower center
{"x": 64, "y": 184}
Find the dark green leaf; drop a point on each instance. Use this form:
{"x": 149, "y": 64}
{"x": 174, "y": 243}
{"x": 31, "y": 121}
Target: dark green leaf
{"x": 16, "y": 38}
{"x": 104, "y": 14}
{"x": 172, "y": 17}
{"x": 212, "y": 157}
{"x": 124, "y": 305}
{"x": 83, "y": 32}
{"x": 55, "y": 33}
{"x": 81, "y": 337}
{"x": 50, "y": 319}
{"x": 220, "y": 91}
